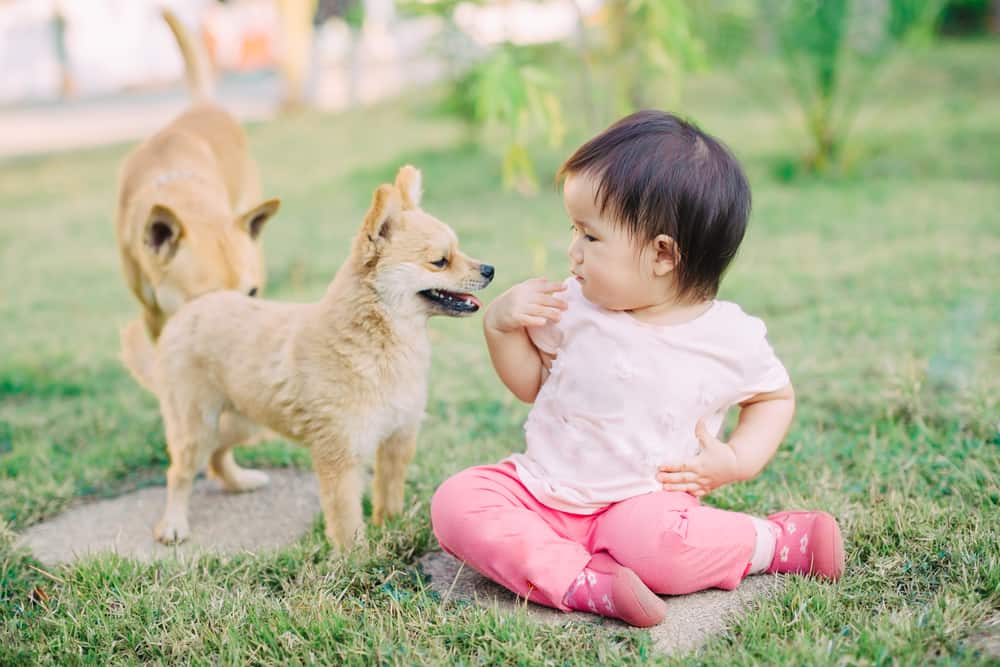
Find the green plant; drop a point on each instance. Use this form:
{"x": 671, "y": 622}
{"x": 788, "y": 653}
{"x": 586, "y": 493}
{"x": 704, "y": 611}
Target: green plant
{"x": 621, "y": 56}
{"x": 509, "y": 93}
{"x": 967, "y": 17}
{"x": 831, "y": 50}
{"x": 645, "y": 42}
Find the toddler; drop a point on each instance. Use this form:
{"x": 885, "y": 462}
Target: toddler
{"x": 632, "y": 364}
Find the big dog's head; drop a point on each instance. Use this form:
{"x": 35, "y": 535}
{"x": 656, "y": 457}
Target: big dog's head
{"x": 188, "y": 250}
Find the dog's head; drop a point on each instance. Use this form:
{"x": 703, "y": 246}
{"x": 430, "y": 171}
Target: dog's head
{"x": 190, "y": 251}
{"x": 412, "y": 258}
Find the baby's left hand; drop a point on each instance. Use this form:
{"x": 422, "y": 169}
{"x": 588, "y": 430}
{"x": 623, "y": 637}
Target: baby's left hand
{"x": 714, "y": 466}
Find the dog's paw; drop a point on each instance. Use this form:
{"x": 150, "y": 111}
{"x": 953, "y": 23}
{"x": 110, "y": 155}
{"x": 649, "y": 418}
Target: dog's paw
{"x": 246, "y": 480}
{"x": 171, "y": 530}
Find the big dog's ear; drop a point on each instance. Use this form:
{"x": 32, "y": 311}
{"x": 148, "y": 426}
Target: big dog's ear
{"x": 252, "y": 222}
{"x": 162, "y": 232}
{"x": 409, "y": 182}
{"x": 385, "y": 208}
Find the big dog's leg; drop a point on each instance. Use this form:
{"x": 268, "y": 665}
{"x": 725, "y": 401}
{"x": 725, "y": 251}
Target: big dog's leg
{"x": 393, "y": 456}
{"x": 235, "y": 430}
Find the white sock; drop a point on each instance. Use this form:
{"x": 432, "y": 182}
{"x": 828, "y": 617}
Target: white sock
{"x": 763, "y": 549}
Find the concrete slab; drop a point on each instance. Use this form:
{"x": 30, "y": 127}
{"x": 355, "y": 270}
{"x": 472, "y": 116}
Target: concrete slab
{"x": 691, "y": 619}
{"x": 987, "y": 639}
{"x": 223, "y": 523}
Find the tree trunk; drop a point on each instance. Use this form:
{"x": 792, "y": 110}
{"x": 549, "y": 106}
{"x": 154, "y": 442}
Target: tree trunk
{"x": 296, "y": 49}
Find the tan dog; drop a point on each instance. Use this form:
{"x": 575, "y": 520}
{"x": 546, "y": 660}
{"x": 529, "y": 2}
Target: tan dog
{"x": 189, "y": 208}
{"x": 347, "y": 375}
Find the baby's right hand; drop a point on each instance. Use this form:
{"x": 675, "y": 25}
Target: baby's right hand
{"x": 532, "y": 303}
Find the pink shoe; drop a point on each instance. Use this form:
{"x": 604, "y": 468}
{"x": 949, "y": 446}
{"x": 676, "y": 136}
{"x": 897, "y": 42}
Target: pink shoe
{"x": 608, "y": 588}
{"x": 807, "y": 543}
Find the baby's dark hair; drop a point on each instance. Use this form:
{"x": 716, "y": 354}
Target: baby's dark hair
{"x": 658, "y": 174}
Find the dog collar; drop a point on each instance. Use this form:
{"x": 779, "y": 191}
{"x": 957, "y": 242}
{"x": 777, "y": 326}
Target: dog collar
{"x": 171, "y": 176}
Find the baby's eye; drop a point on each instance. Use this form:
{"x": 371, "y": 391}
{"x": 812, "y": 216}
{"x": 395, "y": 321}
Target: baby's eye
{"x": 441, "y": 263}
{"x": 589, "y": 237}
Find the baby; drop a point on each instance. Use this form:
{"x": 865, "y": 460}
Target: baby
{"x": 632, "y": 364}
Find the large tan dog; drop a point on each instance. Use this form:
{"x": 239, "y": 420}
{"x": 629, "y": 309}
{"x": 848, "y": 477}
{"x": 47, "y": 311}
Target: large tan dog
{"x": 190, "y": 211}
{"x": 347, "y": 375}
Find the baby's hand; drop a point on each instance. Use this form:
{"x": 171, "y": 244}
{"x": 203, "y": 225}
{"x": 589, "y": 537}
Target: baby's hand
{"x": 714, "y": 466}
{"x": 532, "y": 303}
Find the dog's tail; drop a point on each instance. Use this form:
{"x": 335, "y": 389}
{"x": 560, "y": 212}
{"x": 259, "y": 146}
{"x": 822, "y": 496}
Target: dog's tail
{"x": 138, "y": 354}
{"x": 197, "y": 68}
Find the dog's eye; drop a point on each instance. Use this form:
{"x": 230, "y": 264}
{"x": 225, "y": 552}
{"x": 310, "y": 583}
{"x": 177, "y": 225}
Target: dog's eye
{"x": 441, "y": 263}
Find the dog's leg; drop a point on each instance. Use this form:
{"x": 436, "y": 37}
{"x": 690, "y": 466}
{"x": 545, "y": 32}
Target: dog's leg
{"x": 192, "y": 436}
{"x": 393, "y": 456}
{"x": 234, "y": 430}
{"x": 233, "y": 478}
{"x": 340, "y": 494}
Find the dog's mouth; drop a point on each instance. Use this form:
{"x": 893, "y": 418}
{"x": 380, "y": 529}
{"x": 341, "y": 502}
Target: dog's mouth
{"x": 452, "y": 302}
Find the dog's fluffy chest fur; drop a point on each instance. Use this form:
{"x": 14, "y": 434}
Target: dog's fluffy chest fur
{"x": 397, "y": 393}
{"x": 400, "y": 398}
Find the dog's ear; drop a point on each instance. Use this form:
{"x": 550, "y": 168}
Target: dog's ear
{"x": 252, "y": 222}
{"x": 162, "y": 232}
{"x": 386, "y": 205}
{"x": 409, "y": 182}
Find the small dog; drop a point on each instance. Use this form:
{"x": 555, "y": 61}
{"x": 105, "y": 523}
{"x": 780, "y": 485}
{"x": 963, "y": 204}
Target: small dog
{"x": 347, "y": 376}
{"x": 189, "y": 209}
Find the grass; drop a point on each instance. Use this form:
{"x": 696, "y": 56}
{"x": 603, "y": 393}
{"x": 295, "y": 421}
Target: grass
{"x": 879, "y": 288}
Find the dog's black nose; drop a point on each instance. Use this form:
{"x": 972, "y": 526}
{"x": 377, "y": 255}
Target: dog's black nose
{"x": 486, "y": 271}
{"x": 252, "y": 292}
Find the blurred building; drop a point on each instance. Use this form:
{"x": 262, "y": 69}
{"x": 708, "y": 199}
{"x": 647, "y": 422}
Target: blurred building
{"x": 53, "y": 47}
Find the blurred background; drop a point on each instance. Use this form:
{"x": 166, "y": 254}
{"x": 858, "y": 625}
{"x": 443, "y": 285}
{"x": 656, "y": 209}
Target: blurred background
{"x": 83, "y": 72}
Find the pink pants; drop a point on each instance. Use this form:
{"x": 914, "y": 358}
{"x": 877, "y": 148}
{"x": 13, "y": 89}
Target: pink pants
{"x": 487, "y": 518}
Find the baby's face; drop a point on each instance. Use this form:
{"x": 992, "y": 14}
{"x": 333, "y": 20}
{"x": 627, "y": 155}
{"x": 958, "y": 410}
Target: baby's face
{"x": 613, "y": 271}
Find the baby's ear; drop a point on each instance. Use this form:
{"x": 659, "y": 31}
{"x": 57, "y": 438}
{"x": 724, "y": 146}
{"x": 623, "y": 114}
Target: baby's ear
{"x": 666, "y": 255}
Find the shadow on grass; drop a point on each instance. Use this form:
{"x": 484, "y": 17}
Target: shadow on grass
{"x": 59, "y": 379}
{"x": 952, "y": 154}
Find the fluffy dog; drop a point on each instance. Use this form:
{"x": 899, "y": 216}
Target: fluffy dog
{"x": 189, "y": 212}
{"x": 347, "y": 376}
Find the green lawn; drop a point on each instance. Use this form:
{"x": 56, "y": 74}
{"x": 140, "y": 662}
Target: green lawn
{"x": 879, "y": 289}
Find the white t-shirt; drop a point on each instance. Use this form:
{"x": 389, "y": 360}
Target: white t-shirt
{"x": 623, "y": 397}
